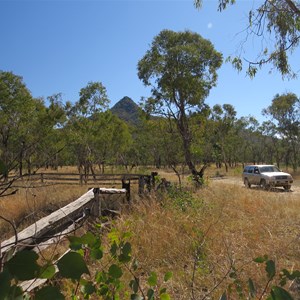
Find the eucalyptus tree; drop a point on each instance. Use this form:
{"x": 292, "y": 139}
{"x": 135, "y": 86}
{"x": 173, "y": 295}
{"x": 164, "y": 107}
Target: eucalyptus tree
{"x": 276, "y": 25}
{"x": 224, "y": 118}
{"x": 285, "y": 115}
{"x": 252, "y": 146}
{"x": 275, "y": 146}
{"x": 81, "y": 123}
{"x": 181, "y": 68}
{"x": 50, "y": 136}
{"x": 110, "y": 139}
{"x": 17, "y": 108}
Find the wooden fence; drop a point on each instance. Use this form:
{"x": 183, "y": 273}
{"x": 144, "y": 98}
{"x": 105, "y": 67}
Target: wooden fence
{"x": 66, "y": 219}
{"x": 51, "y": 229}
{"x": 112, "y": 180}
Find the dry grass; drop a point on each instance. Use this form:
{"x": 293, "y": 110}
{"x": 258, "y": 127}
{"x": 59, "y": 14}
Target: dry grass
{"x": 224, "y": 226}
{"x": 228, "y": 228}
{"x": 32, "y": 203}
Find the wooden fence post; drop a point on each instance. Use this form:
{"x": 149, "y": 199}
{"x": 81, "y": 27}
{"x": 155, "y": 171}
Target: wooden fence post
{"x": 42, "y": 178}
{"x": 153, "y": 174}
{"x": 96, "y": 209}
{"x": 147, "y": 179}
{"x": 126, "y": 185}
{"x": 141, "y": 185}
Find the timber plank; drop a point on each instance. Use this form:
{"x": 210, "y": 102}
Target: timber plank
{"x": 36, "y": 230}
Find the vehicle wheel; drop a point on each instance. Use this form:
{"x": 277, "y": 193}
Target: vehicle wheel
{"x": 247, "y": 183}
{"x": 264, "y": 185}
{"x": 287, "y": 187}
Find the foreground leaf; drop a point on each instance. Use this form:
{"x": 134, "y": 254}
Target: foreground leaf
{"x": 278, "y": 293}
{"x": 72, "y": 265}
{"x": 24, "y": 265}
{"x": 49, "y": 293}
{"x": 115, "y": 271}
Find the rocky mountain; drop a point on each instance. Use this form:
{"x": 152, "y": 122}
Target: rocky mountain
{"x": 126, "y": 109}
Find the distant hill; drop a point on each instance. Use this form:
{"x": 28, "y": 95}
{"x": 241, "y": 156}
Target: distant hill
{"x": 127, "y": 110}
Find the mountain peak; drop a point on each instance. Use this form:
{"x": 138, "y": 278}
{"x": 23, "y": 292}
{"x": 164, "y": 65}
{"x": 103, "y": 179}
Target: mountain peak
{"x": 127, "y": 110}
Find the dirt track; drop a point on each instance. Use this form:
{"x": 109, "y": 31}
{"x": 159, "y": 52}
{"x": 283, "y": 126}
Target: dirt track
{"x": 295, "y": 190}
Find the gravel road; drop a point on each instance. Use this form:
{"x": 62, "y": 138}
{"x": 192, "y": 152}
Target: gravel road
{"x": 295, "y": 190}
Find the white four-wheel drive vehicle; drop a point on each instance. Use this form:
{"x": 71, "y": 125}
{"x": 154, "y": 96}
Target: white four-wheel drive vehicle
{"x": 266, "y": 176}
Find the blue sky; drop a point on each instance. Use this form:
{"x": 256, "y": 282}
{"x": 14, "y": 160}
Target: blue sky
{"x": 59, "y": 46}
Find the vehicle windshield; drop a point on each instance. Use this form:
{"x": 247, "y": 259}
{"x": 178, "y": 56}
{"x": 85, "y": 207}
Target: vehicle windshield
{"x": 269, "y": 169}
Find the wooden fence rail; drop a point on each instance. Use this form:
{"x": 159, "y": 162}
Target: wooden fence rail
{"x": 51, "y": 229}
{"x": 115, "y": 180}
{"x": 56, "y": 223}
{"x": 61, "y": 219}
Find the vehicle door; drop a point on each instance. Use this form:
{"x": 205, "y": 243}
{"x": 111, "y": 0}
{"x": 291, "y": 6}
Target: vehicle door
{"x": 250, "y": 175}
{"x": 256, "y": 176}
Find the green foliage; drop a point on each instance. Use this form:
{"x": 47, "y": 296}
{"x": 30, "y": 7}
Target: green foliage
{"x": 183, "y": 198}
{"x": 3, "y": 168}
{"x": 72, "y": 265}
{"x": 274, "y": 286}
{"x": 23, "y": 266}
{"x": 49, "y": 293}
{"x": 277, "y": 21}
{"x": 107, "y": 283}
{"x": 181, "y": 68}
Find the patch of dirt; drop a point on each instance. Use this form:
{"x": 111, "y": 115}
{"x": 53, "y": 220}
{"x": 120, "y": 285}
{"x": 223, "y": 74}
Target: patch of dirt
{"x": 295, "y": 190}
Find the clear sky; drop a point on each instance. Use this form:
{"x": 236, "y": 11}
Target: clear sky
{"x": 59, "y": 46}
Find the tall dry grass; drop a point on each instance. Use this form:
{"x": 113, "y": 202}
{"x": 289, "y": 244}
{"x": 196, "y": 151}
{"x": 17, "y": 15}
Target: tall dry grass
{"x": 224, "y": 229}
{"x": 31, "y": 203}
{"x": 201, "y": 236}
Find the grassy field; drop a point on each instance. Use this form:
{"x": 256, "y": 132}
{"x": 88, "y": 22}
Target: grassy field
{"x": 200, "y": 236}
{"x": 221, "y": 228}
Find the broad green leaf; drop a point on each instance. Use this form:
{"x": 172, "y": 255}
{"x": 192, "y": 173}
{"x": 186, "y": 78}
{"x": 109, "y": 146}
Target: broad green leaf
{"x": 136, "y": 297}
{"x": 97, "y": 254}
{"x": 87, "y": 288}
{"x": 261, "y": 259}
{"x": 49, "y": 293}
{"x": 270, "y": 268}
{"x": 15, "y": 293}
{"x": 291, "y": 276}
{"x": 134, "y": 285}
{"x": 114, "y": 249}
{"x": 150, "y": 294}
{"x": 168, "y": 276}
{"x": 126, "y": 249}
{"x": 47, "y": 272}
{"x": 24, "y": 265}
{"x": 162, "y": 291}
{"x": 279, "y": 293}
{"x": 72, "y": 265}
{"x": 89, "y": 239}
{"x": 126, "y": 253}
{"x": 101, "y": 277}
{"x": 75, "y": 242}
{"x": 103, "y": 290}
{"x": 4, "y": 284}
{"x": 251, "y": 286}
{"x": 152, "y": 280}
{"x": 115, "y": 271}
{"x": 164, "y": 296}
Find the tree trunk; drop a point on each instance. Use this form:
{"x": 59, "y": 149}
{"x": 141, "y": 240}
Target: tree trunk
{"x": 183, "y": 127}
